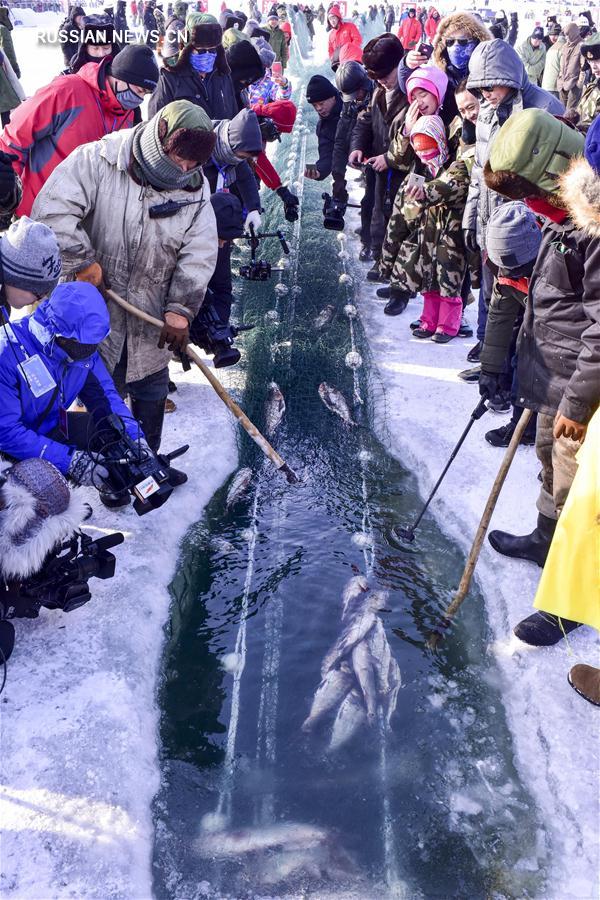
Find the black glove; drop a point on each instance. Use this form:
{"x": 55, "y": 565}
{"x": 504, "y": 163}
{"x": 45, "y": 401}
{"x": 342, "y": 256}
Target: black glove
{"x": 290, "y": 203}
{"x": 489, "y": 384}
{"x": 514, "y": 17}
{"x": 8, "y": 178}
{"x": 470, "y": 236}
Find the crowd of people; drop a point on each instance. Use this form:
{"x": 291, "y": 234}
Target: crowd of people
{"x": 480, "y": 166}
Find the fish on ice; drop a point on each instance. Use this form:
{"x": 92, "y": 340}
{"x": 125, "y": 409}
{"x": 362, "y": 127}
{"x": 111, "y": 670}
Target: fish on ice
{"x": 336, "y": 402}
{"x": 274, "y": 409}
{"x": 326, "y": 316}
{"x": 238, "y": 486}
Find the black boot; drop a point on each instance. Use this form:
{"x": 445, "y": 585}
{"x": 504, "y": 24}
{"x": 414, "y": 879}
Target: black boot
{"x": 7, "y": 640}
{"x": 501, "y": 437}
{"x": 543, "y": 630}
{"x": 397, "y": 303}
{"x": 533, "y": 547}
{"x": 384, "y": 292}
{"x": 373, "y": 273}
{"x": 474, "y": 353}
{"x": 365, "y": 253}
{"x": 150, "y": 414}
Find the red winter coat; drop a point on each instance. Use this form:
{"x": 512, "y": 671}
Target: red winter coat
{"x": 431, "y": 25}
{"x": 410, "y": 33}
{"x": 346, "y": 33}
{"x": 70, "y": 111}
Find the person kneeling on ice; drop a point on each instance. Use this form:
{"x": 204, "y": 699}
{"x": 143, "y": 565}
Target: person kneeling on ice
{"x": 47, "y": 360}
{"x": 424, "y": 249}
{"x": 133, "y": 211}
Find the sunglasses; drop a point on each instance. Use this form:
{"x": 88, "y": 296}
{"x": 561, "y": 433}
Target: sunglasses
{"x": 462, "y": 42}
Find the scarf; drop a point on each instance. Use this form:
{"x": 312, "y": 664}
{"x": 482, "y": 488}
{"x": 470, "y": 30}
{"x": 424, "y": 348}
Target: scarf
{"x": 544, "y": 208}
{"x": 151, "y": 161}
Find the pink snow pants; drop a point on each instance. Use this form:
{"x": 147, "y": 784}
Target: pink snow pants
{"x": 441, "y": 313}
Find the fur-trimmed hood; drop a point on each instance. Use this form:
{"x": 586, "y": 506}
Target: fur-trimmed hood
{"x": 579, "y": 190}
{"x": 453, "y": 22}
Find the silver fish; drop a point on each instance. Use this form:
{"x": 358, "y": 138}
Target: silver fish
{"x": 256, "y": 839}
{"x": 362, "y": 664}
{"x": 350, "y": 718}
{"x": 357, "y": 628}
{"x": 381, "y": 655}
{"x": 326, "y": 316}
{"x": 354, "y": 589}
{"x": 274, "y": 409}
{"x": 391, "y": 698}
{"x": 336, "y": 402}
{"x": 238, "y": 486}
{"x": 330, "y": 693}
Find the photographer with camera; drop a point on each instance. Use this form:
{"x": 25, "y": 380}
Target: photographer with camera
{"x": 45, "y": 561}
{"x": 326, "y": 100}
{"x": 132, "y": 211}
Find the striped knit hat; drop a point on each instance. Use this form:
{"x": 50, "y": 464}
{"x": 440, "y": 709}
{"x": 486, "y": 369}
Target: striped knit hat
{"x": 30, "y": 257}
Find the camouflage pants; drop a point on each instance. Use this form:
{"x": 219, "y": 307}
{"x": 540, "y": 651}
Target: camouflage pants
{"x": 559, "y": 464}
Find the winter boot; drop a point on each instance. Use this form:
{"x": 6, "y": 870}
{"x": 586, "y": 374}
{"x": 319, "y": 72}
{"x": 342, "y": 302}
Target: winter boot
{"x": 543, "y": 630}
{"x": 474, "y": 354}
{"x": 150, "y": 414}
{"x": 501, "y": 437}
{"x": 471, "y": 376}
{"x": 440, "y": 337}
{"x": 423, "y": 333}
{"x": 373, "y": 273}
{"x": 500, "y": 402}
{"x": 465, "y": 330}
{"x": 397, "y": 303}
{"x": 385, "y": 292}
{"x": 534, "y": 546}
{"x": 365, "y": 253}
{"x": 586, "y": 681}
{"x": 414, "y": 325}
{"x": 7, "y": 640}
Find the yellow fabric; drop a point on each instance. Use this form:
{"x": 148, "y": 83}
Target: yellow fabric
{"x": 570, "y": 583}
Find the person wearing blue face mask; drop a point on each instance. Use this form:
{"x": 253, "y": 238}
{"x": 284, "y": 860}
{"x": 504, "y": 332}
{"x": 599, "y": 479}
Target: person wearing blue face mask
{"x": 457, "y": 36}
{"x": 200, "y": 72}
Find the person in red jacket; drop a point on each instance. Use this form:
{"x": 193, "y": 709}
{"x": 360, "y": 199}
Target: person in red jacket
{"x": 341, "y": 34}
{"x": 410, "y": 31}
{"x": 74, "y": 110}
{"x": 431, "y": 25}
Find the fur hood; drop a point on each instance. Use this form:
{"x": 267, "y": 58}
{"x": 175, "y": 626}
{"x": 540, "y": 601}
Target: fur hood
{"x": 580, "y": 194}
{"x": 453, "y": 22}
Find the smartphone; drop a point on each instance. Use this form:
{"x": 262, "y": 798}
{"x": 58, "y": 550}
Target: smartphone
{"x": 425, "y": 50}
{"x": 415, "y": 180}
{"x": 277, "y": 70}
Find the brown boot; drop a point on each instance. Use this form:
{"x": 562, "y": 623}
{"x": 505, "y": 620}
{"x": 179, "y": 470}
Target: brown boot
{"x": 586, "y": 681}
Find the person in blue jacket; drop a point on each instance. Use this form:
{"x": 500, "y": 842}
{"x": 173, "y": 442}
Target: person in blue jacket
{"x": 47, "y": 359}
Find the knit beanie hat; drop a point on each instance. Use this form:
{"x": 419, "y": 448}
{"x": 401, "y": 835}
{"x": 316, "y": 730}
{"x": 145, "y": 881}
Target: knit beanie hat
{"x": 382, "y": 55}
{"x": 202, "y": 30}
{"x": 37, "y": 512}
{"x": 282, "y": 112}
{"x": 513, "y": 236}
{"x": 320, "y": 88}
{"x": 529, "y": 153}
{"x": 29, "y": 257}
{"x": 592, "y": 145}
{"x": 265, "y": 51}
{"x": 182, "y": 127}
{"x": 229, "y": 215}
{"x": 135, "y": 64}
{"x": 429, "y": 78}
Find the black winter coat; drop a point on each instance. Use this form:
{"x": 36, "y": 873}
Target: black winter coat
{"x": 374, "y": 125}
{"x": 326, "y": 131}
{"x": 343, "y": 136}
{"x": 214, "y": 93}
{"x": 559, "y": 345}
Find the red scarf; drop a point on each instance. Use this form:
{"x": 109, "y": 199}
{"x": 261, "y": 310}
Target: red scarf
{"x": 544, "y": 208}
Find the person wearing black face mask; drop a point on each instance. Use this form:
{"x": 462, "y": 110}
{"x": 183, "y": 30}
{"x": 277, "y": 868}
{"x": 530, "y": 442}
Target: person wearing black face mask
{"x": 74, "y": 110}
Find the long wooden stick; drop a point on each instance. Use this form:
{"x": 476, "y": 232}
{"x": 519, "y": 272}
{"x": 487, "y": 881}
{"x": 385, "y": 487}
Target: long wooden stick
{"x": 465, "y": 581}
{"x": 240, "y": 415}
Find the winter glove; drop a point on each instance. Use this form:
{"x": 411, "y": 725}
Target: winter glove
{"x": 253, "y": 218}
{"x": 470, "y": 237}
{"x": 86, "y": 469}
{"x": 8, "y": 178}
{"x": 93, "y": 274}
{"x": 175, "y": 332}
{"x": 290, "y": 203}
{"x": 312, "y": 172}
{"x": 489, "y": 384}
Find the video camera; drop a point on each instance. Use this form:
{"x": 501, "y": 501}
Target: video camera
{"x": 133, "y": 469}
{"x": 259, "y": 269}
{"x": 334, "y": 211}
{"x": 62, "y": 582}
{"x": 213, "y": 336}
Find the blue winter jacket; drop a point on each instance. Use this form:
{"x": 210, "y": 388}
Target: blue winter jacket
{"x": 74, "y": 310}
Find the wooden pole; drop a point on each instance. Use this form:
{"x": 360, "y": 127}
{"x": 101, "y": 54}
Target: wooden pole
{"x": 239, "y": 414}
{"x": 465, "y": 581}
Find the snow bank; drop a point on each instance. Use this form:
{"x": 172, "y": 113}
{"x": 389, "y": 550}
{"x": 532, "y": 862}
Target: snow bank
{"x": 79, "y": 716}
{"x": 556, "y": 734}
{"x": 28, "y": 18}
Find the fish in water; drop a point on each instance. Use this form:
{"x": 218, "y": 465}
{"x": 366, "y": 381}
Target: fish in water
{"x": 391, "y": 698}
{"x": 274, "y": 409}
{"x": 336, "y": 402}
{"x": 355, "y": 588}
{"x": 330, "y": 693}
{"x": 357, "y": 628}
{"x": 381, "y": 655}
{"x": 350, "y": 718}
{"x": 238, "y": 486}
{"x": 362, "y": 663}
{"x": 258, "y": 839}
{"x": 326, "y": 316}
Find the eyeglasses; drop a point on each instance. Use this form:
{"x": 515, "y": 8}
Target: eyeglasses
{"x": 487, "y": 90}
{"x": 462, "y": 42}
